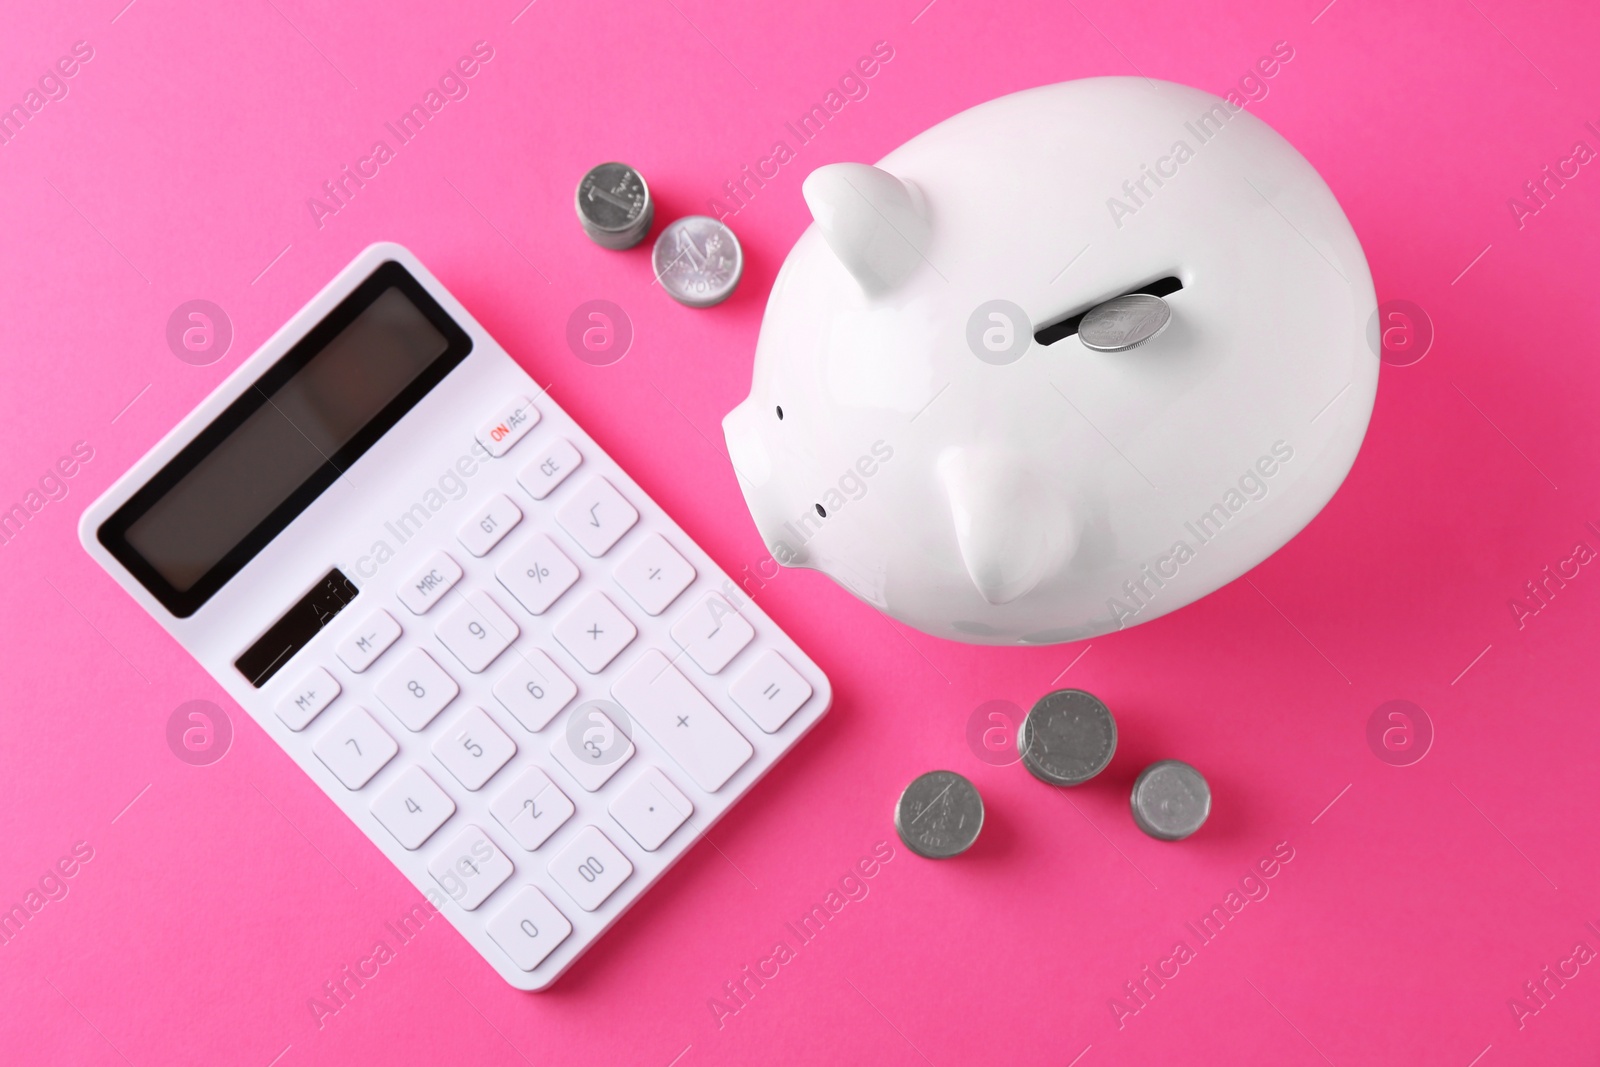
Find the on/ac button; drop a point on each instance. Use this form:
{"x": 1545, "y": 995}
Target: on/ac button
{"x": 508, "y": 426}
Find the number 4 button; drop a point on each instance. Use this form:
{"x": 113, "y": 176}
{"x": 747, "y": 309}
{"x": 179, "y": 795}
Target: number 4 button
{"x": 413, "y": 807}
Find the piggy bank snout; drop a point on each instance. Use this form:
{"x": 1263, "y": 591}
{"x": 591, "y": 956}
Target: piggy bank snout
{"x": 746, "y": 450}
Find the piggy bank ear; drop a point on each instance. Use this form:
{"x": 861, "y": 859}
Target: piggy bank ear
{"x": 875, "y": 223}
{"x": 1013, "y": 529}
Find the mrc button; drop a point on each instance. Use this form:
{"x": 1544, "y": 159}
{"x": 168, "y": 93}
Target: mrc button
{"x": 508, "y": 426}
{"x": 431, "y": 581}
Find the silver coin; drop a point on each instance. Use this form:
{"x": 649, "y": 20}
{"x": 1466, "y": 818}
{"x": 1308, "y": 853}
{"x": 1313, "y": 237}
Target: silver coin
{"x": 1170, "y": 800}
{"x": 1068, "y": 737}
{"x": 614, "y": 205}
{"x": 1123, "y": 323}
{"x": 939, "y": 815}
{"x": 698, "y": 261}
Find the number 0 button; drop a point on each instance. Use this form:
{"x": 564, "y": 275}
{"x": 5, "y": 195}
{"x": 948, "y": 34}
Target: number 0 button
{"x": 529, "y": 928}
{"x": 590, "y": 869}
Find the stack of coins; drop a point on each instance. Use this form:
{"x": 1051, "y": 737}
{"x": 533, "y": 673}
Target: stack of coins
{"x": 698, "y": 261}
{"x": 939, "y": 815}
{"x": 1067, "y": 738}
{"x": 614, "y": 206}
{"x": 1170, "y": 800}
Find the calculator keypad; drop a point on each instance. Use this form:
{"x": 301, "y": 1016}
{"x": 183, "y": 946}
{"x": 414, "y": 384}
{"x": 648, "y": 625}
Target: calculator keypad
{"x": 486, "y": 743}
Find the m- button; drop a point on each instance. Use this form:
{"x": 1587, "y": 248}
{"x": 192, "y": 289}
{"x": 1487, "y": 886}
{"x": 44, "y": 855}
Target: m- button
{"x": 436, "y": 577}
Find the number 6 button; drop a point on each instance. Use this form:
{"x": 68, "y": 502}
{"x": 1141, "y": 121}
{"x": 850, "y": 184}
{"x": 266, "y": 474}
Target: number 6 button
{"x": 590, "y": 869}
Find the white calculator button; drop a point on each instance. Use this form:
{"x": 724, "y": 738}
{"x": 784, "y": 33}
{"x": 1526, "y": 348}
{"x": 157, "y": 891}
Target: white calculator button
{"x": 770, "y": 691}
{"x": 654, "y": 574}
{"x": 537, "y": 573}
{"x": 534, "y": 689}
{"x": 436, "y": 577}
{"x": 596, "y": 516}
{"x": 590, "y": 869}
{"x": 682, "y": 721}
{"x": 416, "y": 689}
{"x": 307, "y": 699}
{"x": 508, "y": 426}
{"x": 532, "y": 808}
{"x": 355, "y": 748}
{"x": 367, "y": 642}
{"x": 470, "y": 867}
{"x": 651, "y": 809}
{"x": 549, "y": 469}
{"x": 473, "y": 748}
{"x": 477, "y": 631}
{"x": 712, "y": 633}
{"x": 529, "y": 928}
{"x": 413, "y": 807}
{"x": 601, "y": 751}
{"x": 492, "y": 522}
{"x": 594, "y": 631}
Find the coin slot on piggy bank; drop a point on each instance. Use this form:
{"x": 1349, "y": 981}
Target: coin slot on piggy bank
{"x": 1067, "y": 327}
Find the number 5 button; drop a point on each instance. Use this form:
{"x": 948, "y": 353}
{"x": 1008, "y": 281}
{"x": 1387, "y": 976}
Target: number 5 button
{"x": 413, "y": 807}
{"x": 590, "y": 869}
{"x": 473, "y": 748}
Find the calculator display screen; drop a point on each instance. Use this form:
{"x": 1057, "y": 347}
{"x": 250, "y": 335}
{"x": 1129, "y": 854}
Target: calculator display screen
{"x": 290, "y": 436}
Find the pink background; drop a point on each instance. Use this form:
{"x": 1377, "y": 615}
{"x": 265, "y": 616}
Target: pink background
{"x": 1416, "y": 905}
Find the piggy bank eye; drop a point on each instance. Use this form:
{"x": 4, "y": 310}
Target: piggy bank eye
{"x": 780, "y": 413}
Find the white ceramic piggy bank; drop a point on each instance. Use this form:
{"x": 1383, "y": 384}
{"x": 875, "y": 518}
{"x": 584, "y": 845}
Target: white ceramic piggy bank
{"x": 908, "y": 434}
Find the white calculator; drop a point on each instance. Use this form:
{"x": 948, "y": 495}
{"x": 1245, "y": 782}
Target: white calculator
{"x": 466, "y": 623}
